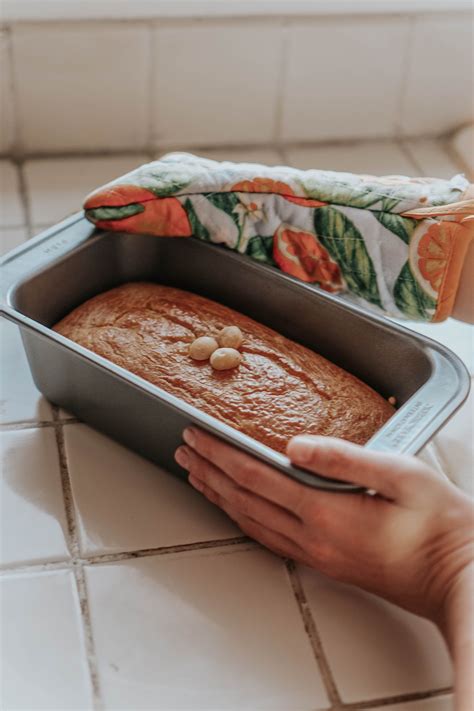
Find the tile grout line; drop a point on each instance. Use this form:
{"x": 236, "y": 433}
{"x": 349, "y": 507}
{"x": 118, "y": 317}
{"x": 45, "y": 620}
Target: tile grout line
{"x": 313, "y": 635}
{"x": 12, "y": 85}
{"x": 170, "y": 550}
{"x": 281, "y": 84}
{"x": 151, "y": 83}
{"x": 405, "y": 72}
{"x": 408, "y": 153}
{"x": 19, "y": 157}
{"x": 24, "y": 197}
{"x": 77, "y": 568}
{"x": 102, "y": 558}
{"x": 38, "y": 424}
{"x": 400, "y": 698}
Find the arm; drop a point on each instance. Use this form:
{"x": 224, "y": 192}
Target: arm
{"x": 411, "y": 544}
{"x": 457, "y": 626}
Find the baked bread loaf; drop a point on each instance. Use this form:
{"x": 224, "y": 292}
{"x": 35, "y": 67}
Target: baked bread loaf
{"x": 280, "y": 388}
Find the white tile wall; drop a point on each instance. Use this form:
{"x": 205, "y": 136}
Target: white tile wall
{"x": 126, "y": 503}
{"x": 45, "y": 667}
{"x": 438, "y": 93}
{"x": 374, "y": 157}
{"x": 88, "y": 86}
{"x": 20, "y": 400}
{"x": 372, "y": 644}
{"x": 343, "y": 78}
{"x": 216, "y": 84}
{"x": 11, "y": 237}
{"x": 217, "y": 633}
{"x": 164, "y": 9}
{"x": 265, "y": 156}
{"x": 57, "y": 187}
{"x": 11, "y": 209}
{"x": 83, "y": 87}
{"x": 31, "y": 498}
{"x": 431, "y": 158}
{"x": 7, "y": 130}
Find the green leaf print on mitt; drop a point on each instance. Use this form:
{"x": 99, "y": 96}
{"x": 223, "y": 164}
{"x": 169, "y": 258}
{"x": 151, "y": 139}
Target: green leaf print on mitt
{"x": 261, "y": 249}
{"x": 197, "y": 228}
{"x": 114, "y": 213}
{"x": 403, "y": 227}
{"x": 346, "y": 246}
{"x": 410, "y": 297}
{"x": 227, "y": 202}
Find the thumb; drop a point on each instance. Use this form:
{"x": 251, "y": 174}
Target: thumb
{"x": 396, "y": 477}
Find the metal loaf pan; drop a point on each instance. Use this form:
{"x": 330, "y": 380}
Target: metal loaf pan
{"x": 49, "y": 276}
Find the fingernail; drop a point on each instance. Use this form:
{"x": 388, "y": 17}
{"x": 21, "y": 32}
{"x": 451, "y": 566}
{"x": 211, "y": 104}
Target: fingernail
{"x": 301, "y": 448}
{"x": 182, "y": 457}
{"x": 189, "y": 436}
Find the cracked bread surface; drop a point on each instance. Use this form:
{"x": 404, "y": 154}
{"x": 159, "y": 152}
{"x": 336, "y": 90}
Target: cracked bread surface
{"x": 280, "y": 389}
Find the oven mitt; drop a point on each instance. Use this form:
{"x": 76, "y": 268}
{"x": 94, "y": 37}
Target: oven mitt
{"x": 394, "y": 243}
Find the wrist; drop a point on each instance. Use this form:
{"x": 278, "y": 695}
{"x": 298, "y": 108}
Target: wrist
{"x": 457, "y": 627}
{"x": 457, "y": 607}
{"x": 451, "y": 560}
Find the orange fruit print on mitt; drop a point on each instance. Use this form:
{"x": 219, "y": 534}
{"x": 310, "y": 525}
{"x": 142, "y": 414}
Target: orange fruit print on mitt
{"x": 430, "y": 252}
{"x": 300, "y": 254}
{"x": 163, "y": 217}
{"x": 267, "y": 185}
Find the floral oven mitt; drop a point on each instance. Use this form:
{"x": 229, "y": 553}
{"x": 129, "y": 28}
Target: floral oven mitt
{"x": 394, "y": 243}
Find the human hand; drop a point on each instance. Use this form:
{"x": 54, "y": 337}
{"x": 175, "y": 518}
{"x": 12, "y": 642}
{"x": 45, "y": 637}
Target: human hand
{"x": 408, "y": 543}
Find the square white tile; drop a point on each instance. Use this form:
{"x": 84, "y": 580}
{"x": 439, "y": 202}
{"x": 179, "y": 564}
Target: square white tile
{"x": 343, "y": 78}
{"x": 455, "y": 443}
{"x": 437, "y": 96}
{"x": 263, "y": 156}
{"x": 33, "y": 517}
{"x": 11, "y": 209}
{"x": 216, "y": 632}
{"x": 57, "y": 187}
{"x": 435, "y": 703}
{"x": 126, "y": 503}
{"x": 372, "y": 157}
{"x": 374, "y": 649}
{"x": 43, "y": 656}
{"x": 20, "y": 399}
{"x": 11, "y": 237}
{"x": 432, "y": 158}
{"x": 82, "y": 87}
{"x": 216, "y": 84}
{"x": 7, "y": 124}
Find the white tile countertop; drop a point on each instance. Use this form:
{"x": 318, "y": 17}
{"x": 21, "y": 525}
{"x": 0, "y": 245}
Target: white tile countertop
{"x": 122, "y": 588}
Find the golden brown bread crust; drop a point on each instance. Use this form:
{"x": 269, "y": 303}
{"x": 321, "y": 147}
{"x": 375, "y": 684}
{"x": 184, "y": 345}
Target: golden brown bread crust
{"x": 280, "y": 389}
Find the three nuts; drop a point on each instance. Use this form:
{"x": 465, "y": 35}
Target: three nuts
{"x": 221, "y": 351}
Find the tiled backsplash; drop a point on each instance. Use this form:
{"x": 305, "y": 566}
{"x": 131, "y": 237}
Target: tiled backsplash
{"x": 203, "y": 82}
